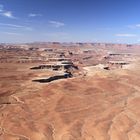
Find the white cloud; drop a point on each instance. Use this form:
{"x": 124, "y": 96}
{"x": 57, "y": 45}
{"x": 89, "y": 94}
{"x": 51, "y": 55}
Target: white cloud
{"x": 106, "y": 28}
{"x": 134, "y": 26}
{"x": 16, "y": 26}
{"x": 138, "y": 25}
{"x": 1, "y": 7}
{"x": 56, "y": 24}
{"x": 34, "y": 15}
{"x": 28, "y": 28}
{"x": 126, "y": 35}
{"x": 56, "y": 34}
{"x": 11, "y": 33}
{"x": 11, "y": 25}
{"x": 8, "y": 14}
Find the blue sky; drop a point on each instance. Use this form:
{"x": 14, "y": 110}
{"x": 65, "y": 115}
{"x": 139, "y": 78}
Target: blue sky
{"x": 116, "y": 21}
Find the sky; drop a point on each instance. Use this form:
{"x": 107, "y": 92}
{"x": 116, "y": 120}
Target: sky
{"x": 111, "y": 21}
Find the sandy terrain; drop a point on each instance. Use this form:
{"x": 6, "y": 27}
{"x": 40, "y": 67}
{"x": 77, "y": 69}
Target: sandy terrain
{"x": 101, "y": 105}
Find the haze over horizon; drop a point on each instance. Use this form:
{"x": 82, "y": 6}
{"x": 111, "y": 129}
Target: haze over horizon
{"x": 70, "y": 21}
